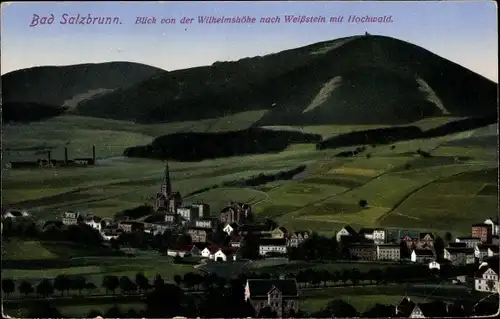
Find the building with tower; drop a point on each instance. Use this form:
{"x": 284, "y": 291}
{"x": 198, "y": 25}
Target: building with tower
{"x": 166, "y": 199}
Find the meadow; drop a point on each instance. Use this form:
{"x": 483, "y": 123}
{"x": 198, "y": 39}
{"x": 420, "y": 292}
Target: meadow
{"x": 392, "y": 179}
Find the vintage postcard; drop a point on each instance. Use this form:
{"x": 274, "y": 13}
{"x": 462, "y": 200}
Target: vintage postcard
{"x": 250, "y": 159}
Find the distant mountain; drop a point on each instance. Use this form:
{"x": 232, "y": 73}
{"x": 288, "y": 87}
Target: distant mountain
{"x": 355, "y": 80}
{"x": 59, "y": 86}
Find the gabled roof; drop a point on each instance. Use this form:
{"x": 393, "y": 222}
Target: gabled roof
{"x": 423, "y": 252}
{"x": 459, "y": 250}
{"x": 283, "y": 229}
{"x": 468, "y": 238}
{"x": 272, "y": 241}
{"x": 405, "y": 307}
{"x": 366, "y": 231}
{"x": 457, "y": 245}
{"x": 422, "y": 235}
{"x": 489, "y": 263}
{"x": 261, "y": 287}
{"x": 350, "y": 230}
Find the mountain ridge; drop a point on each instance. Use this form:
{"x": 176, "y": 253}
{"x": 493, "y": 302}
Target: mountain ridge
{"x": 398, "y": 82}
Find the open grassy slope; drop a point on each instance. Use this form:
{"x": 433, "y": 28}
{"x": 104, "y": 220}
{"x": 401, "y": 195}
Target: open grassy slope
{"x": 356, "y": 80}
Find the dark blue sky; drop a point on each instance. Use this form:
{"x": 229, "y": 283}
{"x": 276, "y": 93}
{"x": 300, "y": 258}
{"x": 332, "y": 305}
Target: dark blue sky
{"x": 463, "y": 31}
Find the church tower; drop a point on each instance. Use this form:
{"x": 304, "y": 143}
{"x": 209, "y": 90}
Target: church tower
{"x": 166, "y": 187}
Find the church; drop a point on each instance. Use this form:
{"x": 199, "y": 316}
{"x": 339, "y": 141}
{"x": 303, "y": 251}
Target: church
{"x": 167, "y": 201}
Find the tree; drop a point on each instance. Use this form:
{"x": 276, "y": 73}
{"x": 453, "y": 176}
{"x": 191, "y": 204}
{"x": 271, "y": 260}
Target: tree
{"x": 178, "y": 280}
{"x": 340, "y": 308}
{"x": 8, "y": 286}
{"x": 439, "y": 247}
{"x": 44, "y": 288}
{"x": 380, "y": 311}
{"x": 267, "y": 312}
{"x": 61, "y": 283}
{"x": 114, "y": 244}
{"x": 90, "y": 286}
{"x": 448, "y": 237}
{"x": 141, "y": 281}
{"x": 114, "y": 312}
{"x": 362, "y": 203}
{"x": 25, "y": 288}
{"x": 110, "y": 283}
{"x": 78, "y": 283}
{"x": 157, "y": 300}
{"x": 126, "y": 285}
{"x": 158, "y": 282}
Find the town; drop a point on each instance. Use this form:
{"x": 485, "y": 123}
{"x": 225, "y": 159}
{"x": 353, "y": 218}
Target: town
{"x": 213, "y": 241}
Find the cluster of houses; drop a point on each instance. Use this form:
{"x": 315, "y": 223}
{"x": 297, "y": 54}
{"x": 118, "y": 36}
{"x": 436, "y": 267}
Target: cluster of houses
{"x": 376, "y": 244}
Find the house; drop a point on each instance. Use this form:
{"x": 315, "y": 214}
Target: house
{"x": 236, "y": 241}
{"x": 203, "y": 209}
{"x": 494, "y": 225}
{"x": 279, "y": 232}
{"x": 235, "y": 212}
{"x": 411, "y": 241}
{"x": 421, "y": 255}
{"x": 434, "y": 265}
{"x": 257, "y": 229}
{"x": 109, "y": 233}
{"x": 14, "y": 214}
{"x": 363, "y": 251}
{"x": 206, "y": 223}
{"x": 188, "y": 213}
{"x": 281, "y": 295}
{"x": 198, "y": 234}
{"x": 208, "y": 252}
{"x": 297, "y": 238}
{"x": 272, "y": 245}
{"x": 130, "y": 226}
{"x": 495, "y": 240}
{"x": 425, "y": 241}
{"x": 483, "y": 232}
{"x": 230, "y": 228}
{"x": 483, "y": 251}
{"x": 225, "y": 254}
{"x": 346, "y": 231}
{"x": 470, "y": 242}
{"x": 375, "y": 234}
{"x": 184, "y": 251}
{"x": 487, "y": 277}
{"x": 71, "y": 218}
{"x": 171, "y": 218}
{"x": 409, "y": 309}
{"x": 459, "y": 256}
{"x": 390, "y": 252}
{"x": 95, "y": 222}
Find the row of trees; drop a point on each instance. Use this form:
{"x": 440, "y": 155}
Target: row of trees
{"x": 27, "y": 228}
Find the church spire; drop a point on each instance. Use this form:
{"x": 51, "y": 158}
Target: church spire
{"x": 166, "y": 188}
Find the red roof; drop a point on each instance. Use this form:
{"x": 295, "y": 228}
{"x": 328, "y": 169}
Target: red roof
{"x": 213, "y": 249}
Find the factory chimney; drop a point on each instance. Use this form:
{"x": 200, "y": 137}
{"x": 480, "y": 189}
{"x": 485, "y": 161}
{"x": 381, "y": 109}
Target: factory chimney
{"x": 93, "y": 154}
{"x": 66, "y": 155}
{"x": 49, "y": 157}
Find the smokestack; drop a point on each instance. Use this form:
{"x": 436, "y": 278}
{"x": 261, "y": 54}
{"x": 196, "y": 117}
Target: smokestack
{"x": 93, "y": 154}
{"x": 49, "y": 158}
{"x": 66, "y": 155}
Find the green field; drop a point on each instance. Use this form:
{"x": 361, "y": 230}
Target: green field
{"x": 393, "y": 180}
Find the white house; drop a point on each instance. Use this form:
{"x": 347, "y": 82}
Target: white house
{"x": 209, "y": 251}
{"x": 434, "y": 265}
{"x": 494, "y": 225}
{"x": 346, "y": 231}
{"x": 95, "y": 222}
{"x": 487, "y": 279}
{"x": 15, "y": 214}
{"x": 459, "y": 256}
{"x": 272, "y": 245}
{"x": 421, "y": 255}
{"x": 483, "y": 251}
{"x": 470, "y": 242}
{"x": 220, "y": 256}
{"x": 186, "y": 251}
{"x": 229, "y": 228}
{"x": 375, "y": 234}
